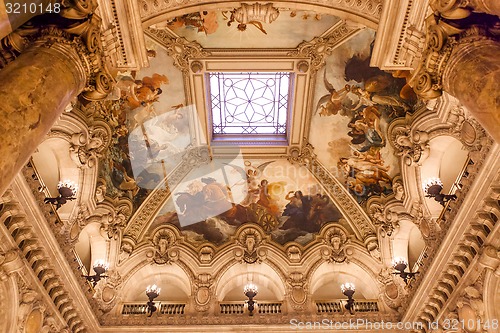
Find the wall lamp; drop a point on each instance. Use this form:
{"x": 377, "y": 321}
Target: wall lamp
{"x": 67, "y": 191}
{"x": 400, "y": 264}
{"x": 100, "y": 267}
{"x": 152, "y": 292}
{"x": 348, "y": 289}
{"x": 250, "y": 291}
{"x": 432, "y": 189}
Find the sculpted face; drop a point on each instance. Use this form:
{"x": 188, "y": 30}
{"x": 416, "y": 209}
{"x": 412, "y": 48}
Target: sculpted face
{"x": 250, "y": 242}
{"x": 336, "y": 242}
{"x": 162, "y": 245}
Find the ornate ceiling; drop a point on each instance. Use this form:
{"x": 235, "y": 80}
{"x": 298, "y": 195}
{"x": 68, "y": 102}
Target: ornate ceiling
{"x": 165, "y": 203}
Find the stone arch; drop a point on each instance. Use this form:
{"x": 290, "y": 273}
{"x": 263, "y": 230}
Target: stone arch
{"x": 263, "y": 275}
{"x": 327, "y": 275}
{"x": 174, "y": 283}
{"x": 445, "y": 161}
{"x": 366, "y": 12}
{"x": 91, "y": 245}
{"x": 408, "y": 242}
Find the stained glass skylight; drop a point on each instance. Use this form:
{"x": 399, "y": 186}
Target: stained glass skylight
{"x": 249, "y": 103}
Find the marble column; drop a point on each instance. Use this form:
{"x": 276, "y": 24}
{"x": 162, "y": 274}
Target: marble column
{"x": 473, "y": 75}
{"x": 34, "y": 90}
{"x": 461, "y": 58}
{"x": 486, "y": 6}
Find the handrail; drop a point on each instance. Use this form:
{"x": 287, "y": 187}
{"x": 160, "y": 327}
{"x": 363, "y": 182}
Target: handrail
{"x": 164, "y": 308}
{"x": 263, "y": 307}
{"x": 338, "y": 306}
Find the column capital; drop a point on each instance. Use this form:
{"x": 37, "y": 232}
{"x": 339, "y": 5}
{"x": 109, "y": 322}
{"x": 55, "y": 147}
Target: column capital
{"x": 458, "y": 8}
{"x": 79, "y": 30}
{"x": 444, "y": 37}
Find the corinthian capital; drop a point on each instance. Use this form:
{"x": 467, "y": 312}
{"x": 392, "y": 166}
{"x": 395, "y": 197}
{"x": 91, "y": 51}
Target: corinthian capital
{"x": 78, "y": 33}
{"x": 447, "y": 31}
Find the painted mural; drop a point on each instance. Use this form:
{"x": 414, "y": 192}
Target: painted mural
{"x": 354, "y": 104}
{"x": 250, "y": 26}
{"x": 283, "y": 198}
{"x": 151, "y": 129}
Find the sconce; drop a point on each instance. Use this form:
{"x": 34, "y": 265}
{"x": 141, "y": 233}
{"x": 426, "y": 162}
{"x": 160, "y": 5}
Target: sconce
{"x": 348, "y": 289}
{"x": 100, "y": 267}
{"x": 67, "y": 191}
{"x": 152, "y": 292}
{"x": 250, "y": 291}
{"x": 400, "y": 264}
{"x": 432, "y": 189}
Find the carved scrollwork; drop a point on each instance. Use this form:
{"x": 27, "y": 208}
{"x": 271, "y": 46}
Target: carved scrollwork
{"x": 320, "y": 47}
{"x": 203, "y": 292}
{"x": 114, "y": 226}
{"x": 180, "y": 49}
{"x": 106, "y": 293}
{"x": 471, "y": 308}
{"x": 249, "y": 241}
{"x": 384, "y": 217}
{"x": 412, "y": 147}
{"x": 466, "y": 128}
{"x": 206, "y": 254}
{"x": 297, "y": 289}
{"x": 79, "y": 30}
{"x": 336, "y": 239}
{"x": 85, "y": 149}
{"x": 427, "y": 226}
{"x": 165, "y": 251}
{"x": 392, "y": 291}
{"x": 294, "y": 253}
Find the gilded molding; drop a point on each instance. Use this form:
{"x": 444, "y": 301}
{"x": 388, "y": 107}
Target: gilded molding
{"x": 446, "y": 32}
{"x": 180, "y": 49}
{"x": 466, "y": 251}
{"x": 193, "y": 157}
{"x": 305, "y": 156}
{"x": 42, "y": 267}
{"x": 319, "y": 48}
{"x": 367, "y": 9}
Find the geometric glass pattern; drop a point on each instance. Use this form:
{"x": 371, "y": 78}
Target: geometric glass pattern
{"x": 249, "y": 103}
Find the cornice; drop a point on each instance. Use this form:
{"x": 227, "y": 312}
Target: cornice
{"x": 41, "y": 251}
{"x": 461, "y": 242}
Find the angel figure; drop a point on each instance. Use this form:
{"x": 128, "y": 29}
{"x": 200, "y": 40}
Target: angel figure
{"x": 331, "y": 103}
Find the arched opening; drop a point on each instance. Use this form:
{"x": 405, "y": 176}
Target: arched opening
{"x": 231, "y": 284}
{"x": 91, "y": 246}
{"x": 53, "y": 163}
{"x": 327, "y": 279}
{"x": 446, "y": 161}
{"x": 173, "y": 281}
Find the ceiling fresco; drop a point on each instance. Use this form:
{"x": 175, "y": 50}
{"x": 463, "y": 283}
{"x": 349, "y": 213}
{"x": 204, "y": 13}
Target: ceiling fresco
{"x": 152, "y": 128}
{"x": 250, "y": 26}
{"x": 353, "y": 106}
{"x": 215, "y": 199}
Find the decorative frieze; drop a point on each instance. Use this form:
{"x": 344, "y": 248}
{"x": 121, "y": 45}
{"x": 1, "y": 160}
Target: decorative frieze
{"x": 367, "y": 9}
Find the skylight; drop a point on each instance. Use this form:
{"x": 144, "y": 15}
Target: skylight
{"x": 249, "y": 104}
